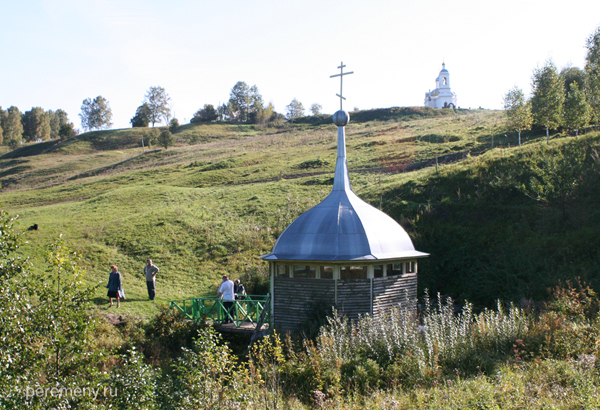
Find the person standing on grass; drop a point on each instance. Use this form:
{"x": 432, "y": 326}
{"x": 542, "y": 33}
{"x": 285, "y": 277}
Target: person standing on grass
{"x": 226, "y": 292}
{"x": 150, "y": 271}
{"x": 114, "y": 285}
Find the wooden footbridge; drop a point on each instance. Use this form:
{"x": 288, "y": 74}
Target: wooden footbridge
{"x": 249, "y": 315}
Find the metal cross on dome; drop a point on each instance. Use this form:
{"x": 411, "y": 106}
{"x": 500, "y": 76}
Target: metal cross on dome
{"x": 341, "y": 75}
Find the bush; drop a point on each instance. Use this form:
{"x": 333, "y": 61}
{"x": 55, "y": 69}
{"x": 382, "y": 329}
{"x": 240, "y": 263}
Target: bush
{"x": 167, "y": 334}
{"x": 173, "y": 125}
{"x": 133, "y": 384}
{"x": 166, "y": 139}
{"x": 205, "y": 376}
{"x": 317, "y": 163}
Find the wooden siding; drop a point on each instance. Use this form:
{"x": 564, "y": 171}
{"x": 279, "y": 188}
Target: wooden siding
{"x": 295, "y": 299}
{"x": 354, "y": 297}
{"x": 392, "y": 291}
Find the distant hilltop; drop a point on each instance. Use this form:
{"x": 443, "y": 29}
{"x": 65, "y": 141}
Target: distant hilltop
{"x": 380, "y": 114}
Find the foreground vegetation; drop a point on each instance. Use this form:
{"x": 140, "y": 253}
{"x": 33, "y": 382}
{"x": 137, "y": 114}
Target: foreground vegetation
{"x": 56, "y": 353}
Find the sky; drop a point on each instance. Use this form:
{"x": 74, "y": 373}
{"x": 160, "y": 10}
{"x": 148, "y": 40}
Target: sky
{"x": 56, "y": 53}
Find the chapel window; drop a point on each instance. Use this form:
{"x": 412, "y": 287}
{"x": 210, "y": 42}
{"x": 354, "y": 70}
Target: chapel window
{"x": 353, "y": 272}
{"x": 394, "y": 269}
{"x": 305, "y": 271}
{"x": 326, "y": 272}
{"x": 282, "y": 271}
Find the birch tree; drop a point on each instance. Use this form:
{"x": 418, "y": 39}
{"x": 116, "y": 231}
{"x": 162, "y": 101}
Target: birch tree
{"x": 95, "y": 114}
{"x": 548, "y": 98}
{"x": 518, "y": 111}
{"x": 592, "y": 69}
{"x": 577, "y": 109}
{"x": 157, "y": 101}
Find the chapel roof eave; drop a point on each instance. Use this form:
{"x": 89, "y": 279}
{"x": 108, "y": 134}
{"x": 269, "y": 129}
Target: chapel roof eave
{"x": 339, "y": 259}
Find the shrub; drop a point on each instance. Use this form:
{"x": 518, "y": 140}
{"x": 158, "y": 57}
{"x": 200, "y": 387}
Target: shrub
{"x": 166, "y": 139}
{"x": 133, "y": 384}
{"x": 311, "y": 164}
{"x": 578, "y": 302}
{"x": 205, "y": 376}
{"x": 167, "y": 333}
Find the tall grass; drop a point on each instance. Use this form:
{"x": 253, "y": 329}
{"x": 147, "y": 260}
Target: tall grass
{"x": 438, "y": 336}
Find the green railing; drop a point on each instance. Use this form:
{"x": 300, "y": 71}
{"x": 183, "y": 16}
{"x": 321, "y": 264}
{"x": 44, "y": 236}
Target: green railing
{"x": 212, "y": 309}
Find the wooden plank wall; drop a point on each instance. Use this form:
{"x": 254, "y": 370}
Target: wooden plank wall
{"x": 392, "y": 291}
{"x": 295, "y": 299}
{"x": 354, "y": 297}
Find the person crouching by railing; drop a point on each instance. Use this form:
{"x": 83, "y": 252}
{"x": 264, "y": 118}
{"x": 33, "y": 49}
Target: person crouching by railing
{"x": 228, "y": 295}
{"x": 239, "y": 290}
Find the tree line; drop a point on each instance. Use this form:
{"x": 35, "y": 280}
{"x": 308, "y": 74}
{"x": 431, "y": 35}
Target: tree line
{"x": 569, "y": 98}
{"x": 245, "y": 105}
{"x": 33, "y": 125}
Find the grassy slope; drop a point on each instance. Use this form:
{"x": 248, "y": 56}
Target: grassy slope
{"x": 219, "y": 199}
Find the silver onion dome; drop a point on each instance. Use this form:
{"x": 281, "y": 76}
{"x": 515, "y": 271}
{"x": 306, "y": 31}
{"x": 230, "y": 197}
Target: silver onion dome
{"x": 343, "y": 227}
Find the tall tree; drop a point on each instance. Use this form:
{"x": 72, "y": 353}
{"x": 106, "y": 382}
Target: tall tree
{"x": 316, "y": 109}
{"x": 577, "y": 109}
{"x": 141, "y": 117}
{"x": 36, "y": 125}
{"x": 54, "y": 125}
{"x": 294, "y": 109}
{"x": 255, "y": 111}
{"x": 223, "y": 112}
{"x": 61, "y": 315}
{"x": 96, "y": 114}
{"x": 63, "y": 117}
{"x": 57, "y": 119}
{"x": 239, "y": 101}
{"x": 569, "y": 75}
{"x": 266, "y": 115}
{"x": 15, "y": 344}
{"x": 3, "y": 119}
{"x": 66, "y": 131}
{"x": 206, "y": 114}
{"x": 517, "y": 111}
{"x": 12, "y": 127}
{"x": 592, "y": 68}
{"x": 157, "y": 100}
{"x": 548, "y": 97}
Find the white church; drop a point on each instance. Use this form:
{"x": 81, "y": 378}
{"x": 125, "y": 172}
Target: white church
{"x": 442, "y": 96}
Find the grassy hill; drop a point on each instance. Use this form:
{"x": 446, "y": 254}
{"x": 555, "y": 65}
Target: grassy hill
{"x": 221, "y": 196}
